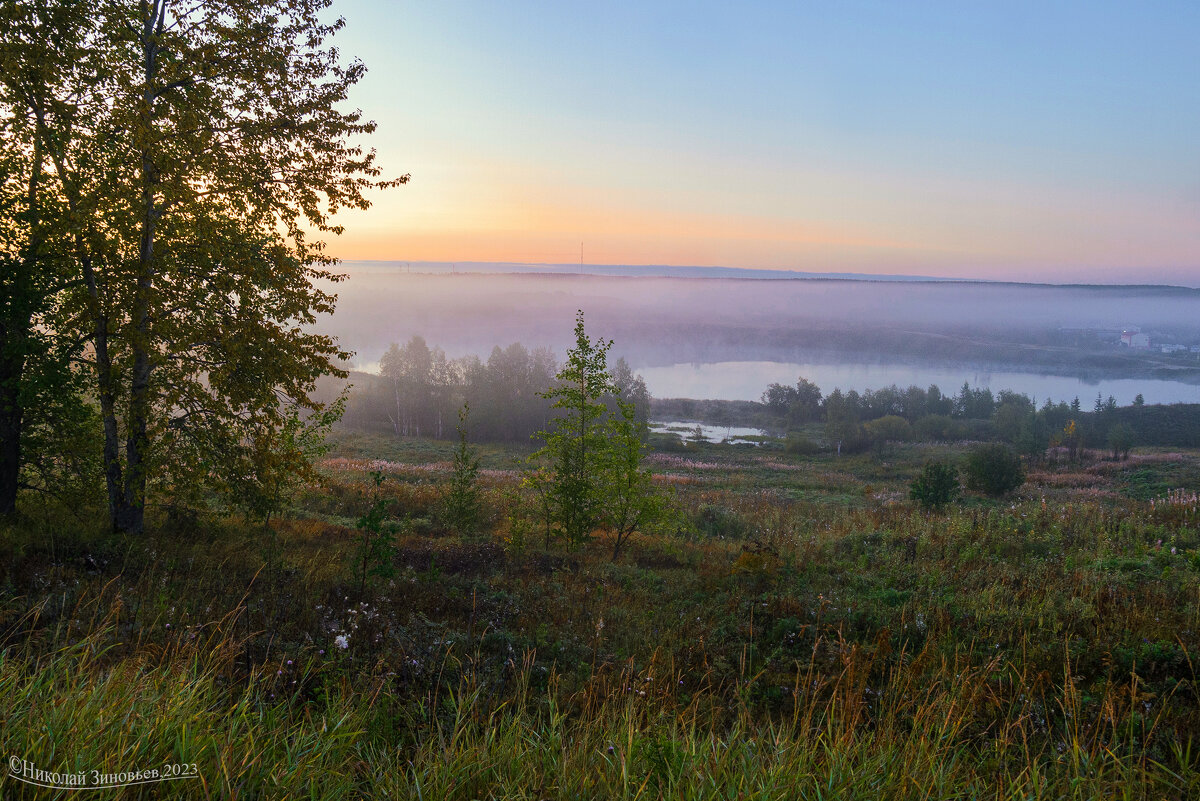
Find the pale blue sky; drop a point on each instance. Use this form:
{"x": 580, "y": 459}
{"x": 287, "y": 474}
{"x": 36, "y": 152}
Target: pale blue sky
{"x": 1010, "y": 140}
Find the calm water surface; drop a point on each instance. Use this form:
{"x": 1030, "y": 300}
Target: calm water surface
{"x": 747, "y": 380}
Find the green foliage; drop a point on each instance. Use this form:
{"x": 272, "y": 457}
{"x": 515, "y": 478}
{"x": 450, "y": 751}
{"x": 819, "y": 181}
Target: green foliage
{"x": 940, "y": 428}
{"x": 889, "y": 428}
{"x": 261, "y": 473}
{"x": 842, "y": 427}
{"x": 1120, "y": 440}
{"x": 719, "y": 522}
{"x": 576, "y": 450}
{"x": 184, "y": 157}
{"x": 994, "y": 469}
{"x": 794, "y": 405}
{"x": 936, "y": 486}
{"x": 375, "y": 555}
{"x": 1019, "y": 623}
{"x": 1014, "y": 413}
{"x": 800, "y": 445}
{"x": 589, "y": 471}
{"x": 462, "y": 502}
{"x": 630, "y": 501}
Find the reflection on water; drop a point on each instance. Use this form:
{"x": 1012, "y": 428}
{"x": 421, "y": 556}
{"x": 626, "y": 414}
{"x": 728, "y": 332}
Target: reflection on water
{"x": 747, "y": 380}
{"x": 698, "y": 431}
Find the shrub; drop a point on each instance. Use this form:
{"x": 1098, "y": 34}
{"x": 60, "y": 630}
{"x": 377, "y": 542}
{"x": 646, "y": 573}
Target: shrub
{"x": 994, "y": 469}
{"x": 936, "y": 486}
{"x": 889, "y": 428}
{"x": 462, "y": 508}
{"x": 800, "y": 445}
{"x": 939, "y": 427}
{"x": 717, "y": 521}
{"x": 1120, "y": 440}
{"x": 374, "y": 556}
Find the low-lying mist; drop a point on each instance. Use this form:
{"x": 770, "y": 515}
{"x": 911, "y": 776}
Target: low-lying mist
{"x": 661, "y": 321}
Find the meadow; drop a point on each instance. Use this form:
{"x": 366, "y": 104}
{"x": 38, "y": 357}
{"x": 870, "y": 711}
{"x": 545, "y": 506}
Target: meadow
{"x": 796, "y": 628}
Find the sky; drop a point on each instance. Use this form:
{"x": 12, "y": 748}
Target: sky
{"x": 1007, "y": 140}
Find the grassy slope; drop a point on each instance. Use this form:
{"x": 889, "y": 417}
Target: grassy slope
{"x": 799, "y": 631}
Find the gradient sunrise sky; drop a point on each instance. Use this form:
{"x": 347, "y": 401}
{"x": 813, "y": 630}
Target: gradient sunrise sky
{"x": 1044, "y": 141}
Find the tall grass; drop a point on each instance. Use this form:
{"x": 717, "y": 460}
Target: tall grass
{"x": 769, "y": 648}
{"x": 932, "y": 726}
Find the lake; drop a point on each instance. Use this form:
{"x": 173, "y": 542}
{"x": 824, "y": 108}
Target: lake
{"x": 747, "y": 380}
{"x": 709, "y": 433}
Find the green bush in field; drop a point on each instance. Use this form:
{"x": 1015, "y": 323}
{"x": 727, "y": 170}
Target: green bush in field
{"x": 939, "y": 428}
{"x": 936, "y": 486}
{"x": 800, "y": 445}
{"x": 1120, "y": 440}
{"x": 994, "y": 469}
{"x": 889, "y": 428}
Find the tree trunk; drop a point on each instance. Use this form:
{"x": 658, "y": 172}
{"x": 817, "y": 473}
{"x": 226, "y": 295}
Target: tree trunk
{"x": 106, "y": 390}
{"x": 11, "y": 418}
{"x": 130, "y": 515}
{"x": 20, "y": 297}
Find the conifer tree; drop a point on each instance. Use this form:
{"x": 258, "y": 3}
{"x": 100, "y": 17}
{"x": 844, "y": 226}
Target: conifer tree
{"x": 576, "y": 446}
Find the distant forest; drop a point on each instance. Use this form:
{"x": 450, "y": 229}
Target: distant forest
{"x": 419, "y": 392}
{"x": 858, "y": 420}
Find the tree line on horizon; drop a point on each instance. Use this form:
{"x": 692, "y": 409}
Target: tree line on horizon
{"x": 419, "y": 391}
{"x": 855, "y": 420}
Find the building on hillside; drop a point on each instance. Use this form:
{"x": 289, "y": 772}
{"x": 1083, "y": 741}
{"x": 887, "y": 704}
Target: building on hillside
{"x": 1133, "y": 338}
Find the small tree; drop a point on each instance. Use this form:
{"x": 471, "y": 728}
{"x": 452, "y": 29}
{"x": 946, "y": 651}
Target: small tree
{"x": 462, "y": 504}
{"x": 936, "y": 486}
{"x": 994, "y": 469}
{"x": 373, "y": 558}
{"x": 589, "y": 473}
{"x": 1120, "y": 440}
{"x": 1071, "y": 439}
{"x": 538, "y": 480}
{"x": 630, "y": 499}
{"x": 576, "y": 447}
{"x": 264, "y": 472}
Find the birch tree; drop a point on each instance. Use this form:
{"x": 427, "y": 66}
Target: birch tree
{"x": 201, "y": 150}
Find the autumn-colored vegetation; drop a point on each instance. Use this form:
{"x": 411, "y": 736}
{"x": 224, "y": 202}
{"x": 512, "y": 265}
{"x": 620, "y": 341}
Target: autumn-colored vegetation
{"x": 801, "y": 630}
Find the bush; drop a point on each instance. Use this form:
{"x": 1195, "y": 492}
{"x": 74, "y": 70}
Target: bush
{"x": 800, "y": 445}
{"x": 994, "y": 469}
{"x": 717, "y": 521}
{"x": 936, "y": 486}
{"x": 889, "y": 428}
{"x": 939, "y": 428}
{"x": 1120, "y": 440}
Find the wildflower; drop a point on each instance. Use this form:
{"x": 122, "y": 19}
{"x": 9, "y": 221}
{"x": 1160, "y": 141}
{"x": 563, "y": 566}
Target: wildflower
{"x": 342, "y": 641}
{"x": 289, "y": 663}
